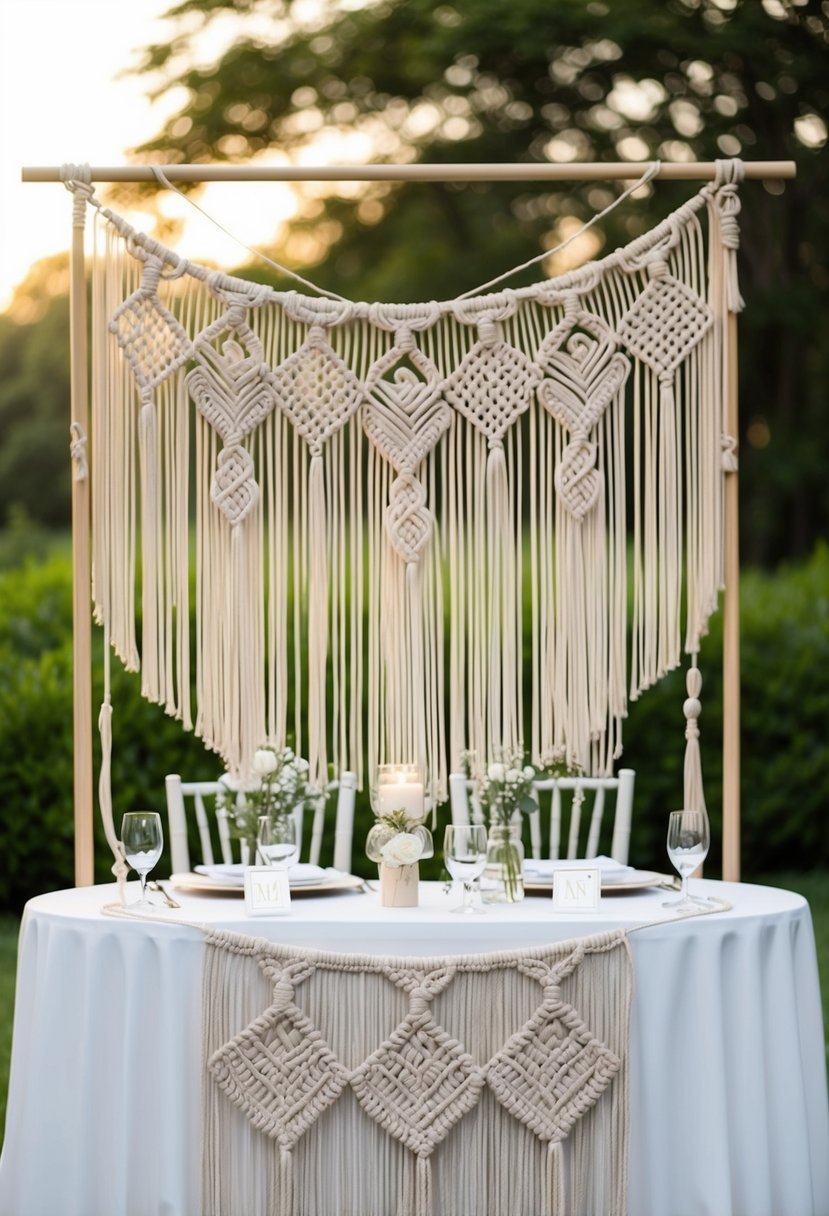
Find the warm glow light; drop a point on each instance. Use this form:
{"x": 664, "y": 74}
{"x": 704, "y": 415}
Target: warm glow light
{"x": 60, "y": 101}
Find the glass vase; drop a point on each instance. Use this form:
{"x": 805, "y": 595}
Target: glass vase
{"x": 504, "y": 873}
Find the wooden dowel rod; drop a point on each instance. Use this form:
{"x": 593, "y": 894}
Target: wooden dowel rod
{"x": 81, "y": 570}
{"x": 731, "y": 635}
{"x": 599, "y": 171}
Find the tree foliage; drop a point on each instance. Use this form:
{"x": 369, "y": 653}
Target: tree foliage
{"x": 480, "y": 80}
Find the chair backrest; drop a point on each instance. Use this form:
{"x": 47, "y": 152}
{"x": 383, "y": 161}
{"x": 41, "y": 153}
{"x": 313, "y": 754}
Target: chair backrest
{"x": 203, "y": 795}
{"x": 587, "y": 804}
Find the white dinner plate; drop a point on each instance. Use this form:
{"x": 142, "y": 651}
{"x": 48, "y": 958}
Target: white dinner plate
{"x": 335, "y": 881}
{"x": 629, "y": 880}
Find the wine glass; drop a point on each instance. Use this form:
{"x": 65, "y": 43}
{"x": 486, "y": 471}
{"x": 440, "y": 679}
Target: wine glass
{"x": 277, "y": 841}
{"x": 142, "y": 841}
{"x": 464, "y": 851}
{"x": 688, "y": 841}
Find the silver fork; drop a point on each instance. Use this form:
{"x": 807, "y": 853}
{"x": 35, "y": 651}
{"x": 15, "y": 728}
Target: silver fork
{"x": 156, "y": 886}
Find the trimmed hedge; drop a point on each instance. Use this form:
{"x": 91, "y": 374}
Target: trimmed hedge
{"x": 785, "y": 718}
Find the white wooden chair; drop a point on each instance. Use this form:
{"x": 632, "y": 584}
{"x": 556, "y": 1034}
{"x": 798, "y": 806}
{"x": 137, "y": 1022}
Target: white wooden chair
{"x": 584, "y": 790}
{"x": 203, "y": 794}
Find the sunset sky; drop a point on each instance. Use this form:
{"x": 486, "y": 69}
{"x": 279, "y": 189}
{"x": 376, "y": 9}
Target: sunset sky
{"x": 60, "y": 102}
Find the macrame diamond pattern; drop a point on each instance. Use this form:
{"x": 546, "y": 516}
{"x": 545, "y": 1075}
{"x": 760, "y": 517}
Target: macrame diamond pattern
{"x": 492, "y": 387}
{"x": 418, "y": 1084}
{"x": 154, "y": 343}
{"x": 279, "y": 1071}
{"x": 317, "y": 391}
{"x": 552, "y": 1071}
{"x": 665, "y": 323}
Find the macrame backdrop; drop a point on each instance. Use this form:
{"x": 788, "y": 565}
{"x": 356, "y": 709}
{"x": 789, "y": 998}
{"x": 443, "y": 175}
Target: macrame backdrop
{"x": 340, "y": 1085}
{"x": 390, "y": 484}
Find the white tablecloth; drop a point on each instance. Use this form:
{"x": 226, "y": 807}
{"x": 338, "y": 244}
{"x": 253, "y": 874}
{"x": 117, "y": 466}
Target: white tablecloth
{"x": 728, "y": 1080}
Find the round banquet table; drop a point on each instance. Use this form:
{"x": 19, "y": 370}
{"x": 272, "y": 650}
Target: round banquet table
{"x": 728, "y": 1102}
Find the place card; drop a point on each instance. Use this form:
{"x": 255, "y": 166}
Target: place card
{"x": 267, "y": 891}
{"x": 577, "y": 890}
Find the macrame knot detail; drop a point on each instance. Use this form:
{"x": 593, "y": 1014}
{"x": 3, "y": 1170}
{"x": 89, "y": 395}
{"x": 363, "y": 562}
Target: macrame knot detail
{"x": 488, "y": 331}
{"x": 77, "y": 450}
{"x": 408, "y": 522}
{"x": 730, "y": 460}
{"x": 234, "y": 489}
{"x": 404, "y": 340}
{"x": 657, "y": 269}
{"x": 235, "y": 315}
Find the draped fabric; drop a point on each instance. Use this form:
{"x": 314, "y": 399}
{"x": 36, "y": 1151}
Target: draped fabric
{"x": 396, "y": 532}
{"x": 344, "y": 1084}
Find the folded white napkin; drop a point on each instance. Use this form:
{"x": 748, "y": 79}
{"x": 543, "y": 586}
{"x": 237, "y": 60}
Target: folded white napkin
{"x": 545, "y": 867}
{"x": 301, "y": 874}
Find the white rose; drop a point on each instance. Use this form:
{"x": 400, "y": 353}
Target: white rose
{"x": 529, "y": 773}
{"x": 264, "y": 762}
{"x": 513, "y": 776}
{"x": 402, "y": 850}
{"x": 495, "y": 772}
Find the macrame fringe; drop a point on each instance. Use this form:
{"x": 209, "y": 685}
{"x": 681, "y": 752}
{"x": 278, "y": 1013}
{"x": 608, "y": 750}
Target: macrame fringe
{"x": 556, "y": 1189}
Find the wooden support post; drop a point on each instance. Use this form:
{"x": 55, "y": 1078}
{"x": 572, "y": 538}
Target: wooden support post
{"x": 731, "y": 634}
{"x": 81, "y": 562}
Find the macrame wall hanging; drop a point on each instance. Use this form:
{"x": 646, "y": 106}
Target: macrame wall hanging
{"x": 430, "y": 500}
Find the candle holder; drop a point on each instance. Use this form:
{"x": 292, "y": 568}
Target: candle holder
{"x": 399, "y": 840}
{"x": 399, "y": 787}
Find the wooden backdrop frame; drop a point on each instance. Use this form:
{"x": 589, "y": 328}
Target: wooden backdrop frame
{"x": 81, "y": 522}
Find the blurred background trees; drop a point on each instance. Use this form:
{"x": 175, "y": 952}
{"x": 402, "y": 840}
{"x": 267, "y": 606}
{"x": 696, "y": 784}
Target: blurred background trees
{"x": 480, "y": 80}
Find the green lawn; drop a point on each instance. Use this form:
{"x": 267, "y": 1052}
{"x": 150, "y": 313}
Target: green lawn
{"x": 815, "y": 888}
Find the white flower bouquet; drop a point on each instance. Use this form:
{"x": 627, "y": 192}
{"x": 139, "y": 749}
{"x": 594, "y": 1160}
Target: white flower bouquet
{"x": 277, "y": 787}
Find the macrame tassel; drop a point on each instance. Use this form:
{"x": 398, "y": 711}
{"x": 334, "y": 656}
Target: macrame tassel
{"x": 669, "y": 546}
{"x": 418, "y": 1187}
{"x": 285, "y": 1189}
{"x": 694, "y": 797}
{"x": 148, "y": 454}
{"x": 317, "y": 620}
{"x": 555, "y": 1179}
{"x": 416, "y": 675}
{"x": 502, "y": 706}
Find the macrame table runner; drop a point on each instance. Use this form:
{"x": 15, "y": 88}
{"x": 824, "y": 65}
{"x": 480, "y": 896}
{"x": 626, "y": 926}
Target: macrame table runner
{"x": 417, "y": 489}
{"x": 480, "y": 1085}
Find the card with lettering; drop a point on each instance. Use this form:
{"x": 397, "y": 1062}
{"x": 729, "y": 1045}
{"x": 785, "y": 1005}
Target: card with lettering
{"x": 576, "y": 890}
{"x": 267, "y": 891}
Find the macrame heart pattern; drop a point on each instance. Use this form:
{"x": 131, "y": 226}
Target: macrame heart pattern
{"x": 232, "y": 392}
{"x": 404, "y": 417}
{"x": 582, "y": 379}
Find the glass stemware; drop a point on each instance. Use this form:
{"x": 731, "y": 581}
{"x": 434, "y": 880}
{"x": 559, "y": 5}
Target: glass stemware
{"x": 464, "y": 852}
{"x": 277, "y": 841}
{"x": 142, "y": 841}
{"x": 688, "y": 841}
